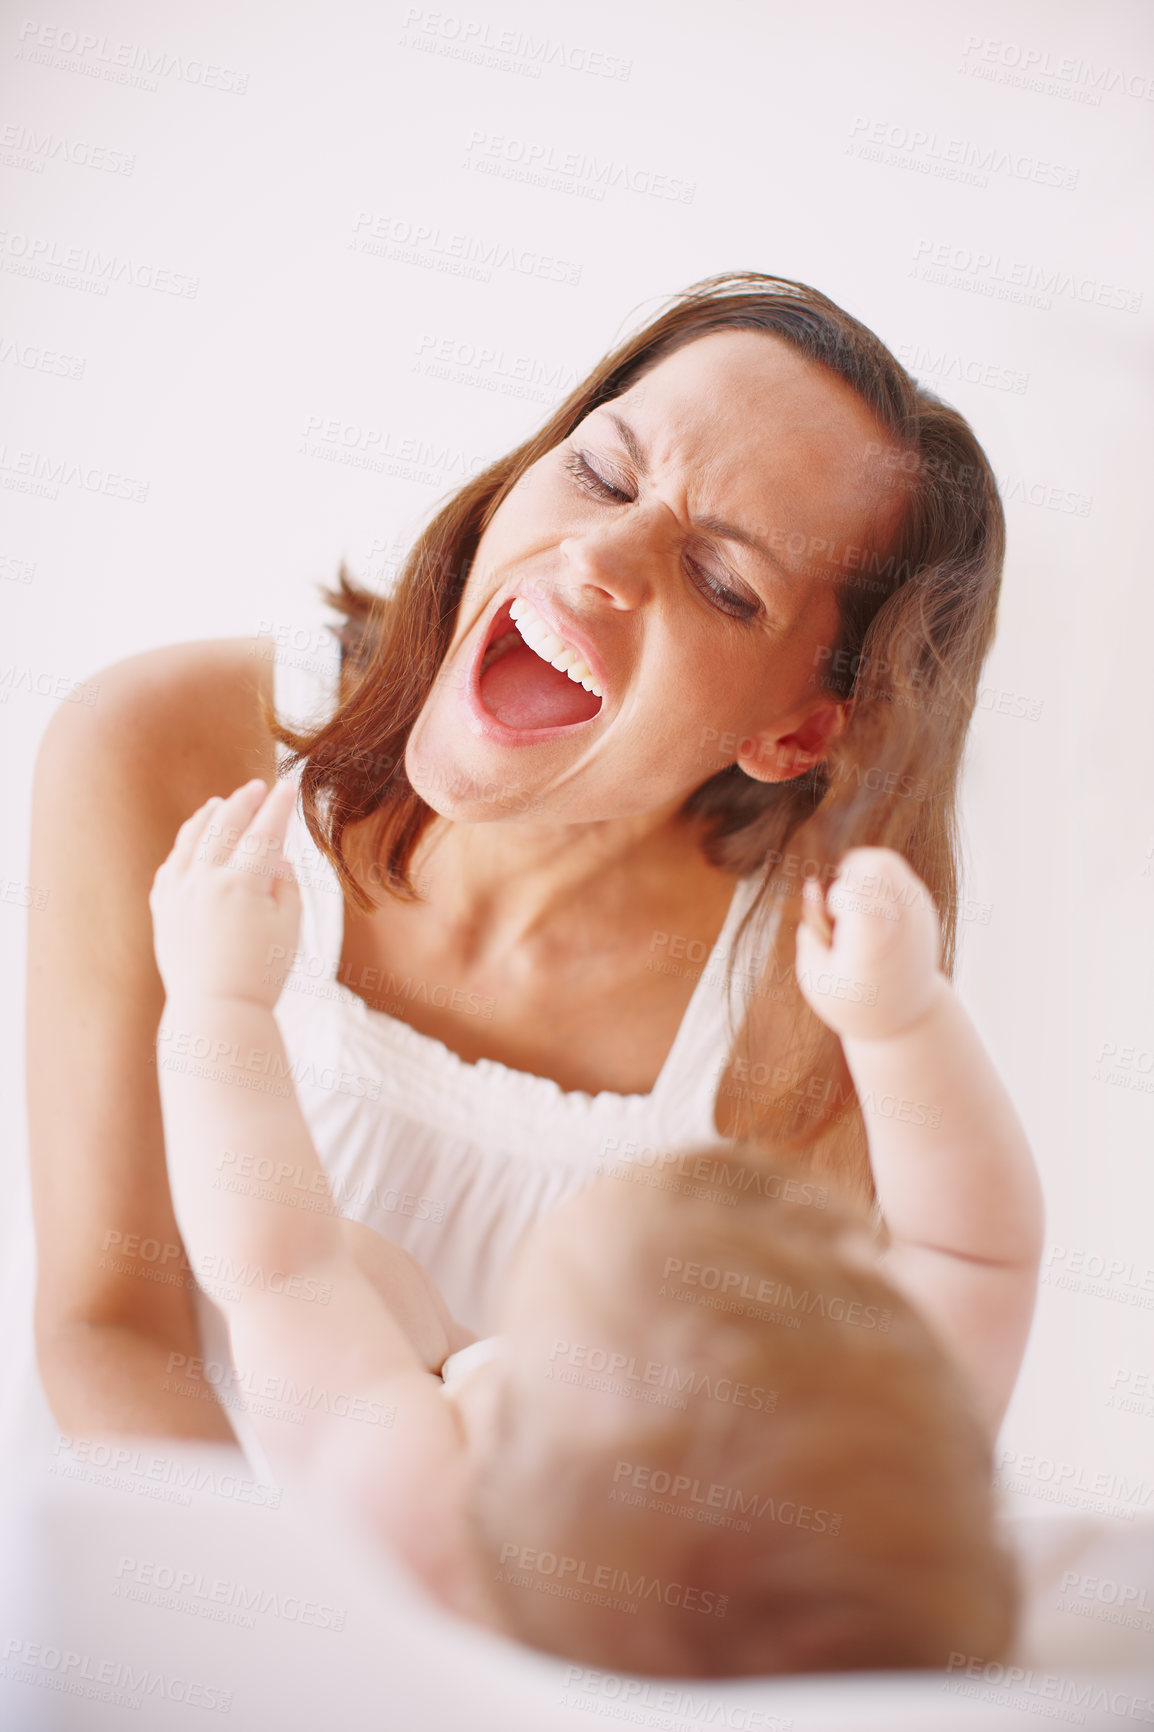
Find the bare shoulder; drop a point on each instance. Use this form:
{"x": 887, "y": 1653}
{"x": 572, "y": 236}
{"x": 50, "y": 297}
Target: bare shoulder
{"x": 179, "y": 719}
{"x": 114, "y": 779}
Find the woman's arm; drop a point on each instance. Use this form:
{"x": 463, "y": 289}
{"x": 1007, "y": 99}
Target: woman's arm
{"x": 113, "y": 782}
{"x": 955, "y": 1178}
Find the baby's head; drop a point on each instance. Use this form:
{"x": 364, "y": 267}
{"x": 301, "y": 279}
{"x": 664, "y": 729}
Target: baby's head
{"x": 722, "y": 1443}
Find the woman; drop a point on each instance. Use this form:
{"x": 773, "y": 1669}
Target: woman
{"x": 721, "y": 619}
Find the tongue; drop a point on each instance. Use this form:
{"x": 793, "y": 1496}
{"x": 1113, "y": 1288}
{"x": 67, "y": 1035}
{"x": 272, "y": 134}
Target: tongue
{"x": 523, "y": 691}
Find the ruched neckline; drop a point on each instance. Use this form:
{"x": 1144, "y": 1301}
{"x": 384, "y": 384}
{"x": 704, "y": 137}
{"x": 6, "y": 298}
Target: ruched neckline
{"x": 533, "y": 1090}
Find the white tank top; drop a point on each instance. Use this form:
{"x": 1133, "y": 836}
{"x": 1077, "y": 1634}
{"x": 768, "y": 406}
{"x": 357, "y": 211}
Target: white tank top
{"x": 451, "y": 1159}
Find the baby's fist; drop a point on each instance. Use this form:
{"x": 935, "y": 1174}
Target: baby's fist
{"x": 225, "y": 903}
{"x": 878, "y": 972}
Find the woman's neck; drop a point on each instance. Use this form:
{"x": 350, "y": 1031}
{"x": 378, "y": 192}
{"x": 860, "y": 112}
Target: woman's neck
{"x": 495, "y": 885}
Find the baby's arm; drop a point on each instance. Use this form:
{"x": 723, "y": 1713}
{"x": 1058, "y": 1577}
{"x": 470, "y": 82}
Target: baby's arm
{"x": 954, "y": 1174}
{"x": 352, "y": 1357}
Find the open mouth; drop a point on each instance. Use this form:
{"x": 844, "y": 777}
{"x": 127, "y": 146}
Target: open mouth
{"x": 530, "y": 678}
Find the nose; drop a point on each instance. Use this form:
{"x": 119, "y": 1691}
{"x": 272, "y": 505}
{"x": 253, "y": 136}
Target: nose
{"x": 617, "y": 560}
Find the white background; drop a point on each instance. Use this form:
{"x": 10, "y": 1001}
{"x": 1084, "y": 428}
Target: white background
{"x": 759, "y": 114}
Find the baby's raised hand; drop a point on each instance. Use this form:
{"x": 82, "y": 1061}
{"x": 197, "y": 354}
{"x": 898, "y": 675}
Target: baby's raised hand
{"x": 877, "y": 972}
{"x": 225, "y": 903}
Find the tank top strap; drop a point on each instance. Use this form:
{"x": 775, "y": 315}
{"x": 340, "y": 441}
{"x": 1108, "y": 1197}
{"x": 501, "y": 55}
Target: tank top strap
{"x": 686, "y": 1090}
{"x": 306, "y": 676}
{"x": 306, "y": 691}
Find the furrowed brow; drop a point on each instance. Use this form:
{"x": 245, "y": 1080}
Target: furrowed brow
{"x": 630, "y": 441}
{"x": 711, "y": 525}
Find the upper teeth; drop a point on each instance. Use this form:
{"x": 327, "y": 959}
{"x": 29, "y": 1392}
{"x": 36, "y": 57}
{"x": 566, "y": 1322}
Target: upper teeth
{"x": 551, "y": 648}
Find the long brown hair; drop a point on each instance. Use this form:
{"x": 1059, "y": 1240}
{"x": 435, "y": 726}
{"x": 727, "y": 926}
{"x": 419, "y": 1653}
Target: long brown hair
{"x": 916, "y": 622}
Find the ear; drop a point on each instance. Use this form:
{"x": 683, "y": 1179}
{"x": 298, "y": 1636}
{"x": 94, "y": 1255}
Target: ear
{"x": 778, "y": 757}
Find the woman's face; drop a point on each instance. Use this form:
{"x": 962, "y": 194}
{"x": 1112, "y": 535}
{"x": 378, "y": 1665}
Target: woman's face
{"x": 682, "y": 545}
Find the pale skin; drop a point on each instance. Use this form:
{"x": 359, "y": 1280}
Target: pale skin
{"x": 957, "y": 1184}
{"x": 541, "y": 890}
{"x": 544, "y": 890}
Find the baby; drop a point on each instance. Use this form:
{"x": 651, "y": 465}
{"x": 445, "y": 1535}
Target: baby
{"x": 717, "y": 1434}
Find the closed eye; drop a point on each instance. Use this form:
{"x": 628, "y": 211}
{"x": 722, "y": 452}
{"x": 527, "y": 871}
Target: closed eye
{"x": 588, "y": 478}
{"x": 727, "y": 600}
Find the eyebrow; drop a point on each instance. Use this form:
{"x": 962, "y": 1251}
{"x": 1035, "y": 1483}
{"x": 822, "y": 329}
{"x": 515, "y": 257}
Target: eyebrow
{"x": 712, "y": 525}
